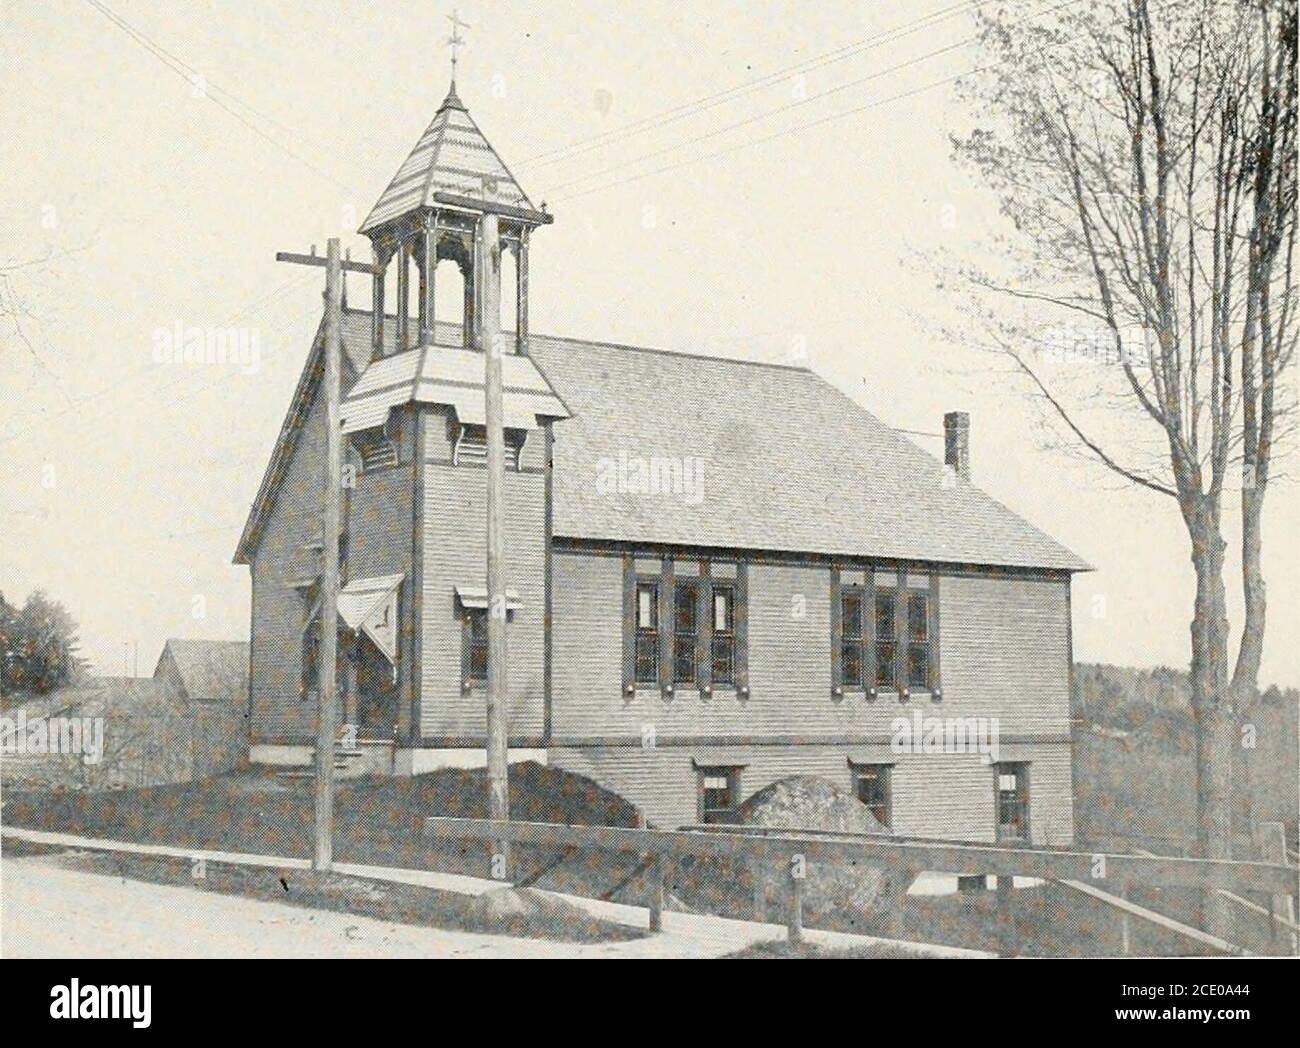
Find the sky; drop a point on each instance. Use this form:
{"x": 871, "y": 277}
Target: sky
{"x": 151, "y": 171}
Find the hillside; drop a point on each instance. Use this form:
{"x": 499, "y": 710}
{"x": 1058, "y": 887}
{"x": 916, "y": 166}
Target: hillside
{"x": 1135, "y": 754}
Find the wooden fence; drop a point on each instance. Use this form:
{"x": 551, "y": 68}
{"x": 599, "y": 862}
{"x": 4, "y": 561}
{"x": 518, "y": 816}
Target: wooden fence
{"x": 792, "y": 850}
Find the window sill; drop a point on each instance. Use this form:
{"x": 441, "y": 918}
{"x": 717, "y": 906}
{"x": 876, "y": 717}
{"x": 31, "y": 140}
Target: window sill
{"x": 683, "y": 691}
{"x": 388, "y": 468}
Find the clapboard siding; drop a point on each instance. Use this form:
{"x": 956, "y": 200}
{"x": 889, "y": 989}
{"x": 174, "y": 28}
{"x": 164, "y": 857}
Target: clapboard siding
{"x": 379, "y": 523}
{"x": 279, "y": 611}
{"x": 1004, "y": 654}
{"x": 586, "y": 642}
{"x": 1005, "y": 651}
{"x": 377, "y": 517}
{"x": 940, "y": 795}
{"x": 455, "y": 554}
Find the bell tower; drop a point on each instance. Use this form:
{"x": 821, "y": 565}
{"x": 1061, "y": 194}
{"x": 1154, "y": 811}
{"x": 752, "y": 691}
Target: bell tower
{"x": 432, "y": 211}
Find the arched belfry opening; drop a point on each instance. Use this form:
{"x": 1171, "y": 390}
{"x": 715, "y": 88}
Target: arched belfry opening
{"x": 430, "y": 215}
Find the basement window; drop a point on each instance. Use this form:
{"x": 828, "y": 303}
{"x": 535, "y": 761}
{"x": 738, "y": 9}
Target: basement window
{"x": 471, "y": 446}
{"x": 872, "y": 787}
{"x": 719, "y": 794}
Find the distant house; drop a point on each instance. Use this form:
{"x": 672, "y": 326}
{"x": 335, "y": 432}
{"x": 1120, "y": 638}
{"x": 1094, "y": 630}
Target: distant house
{"x": 206, "y": 671}
{"x": 185, "y": 722}
{"x": 211, "y": 679}
{"x": 720, "y": 572}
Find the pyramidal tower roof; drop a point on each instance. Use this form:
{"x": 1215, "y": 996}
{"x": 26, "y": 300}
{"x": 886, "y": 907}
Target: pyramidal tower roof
{"x": 452, "y": 156}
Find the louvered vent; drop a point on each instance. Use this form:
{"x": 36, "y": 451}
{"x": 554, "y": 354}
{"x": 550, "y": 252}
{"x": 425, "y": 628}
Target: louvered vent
{"x": 471, "y": 446}
{"x": 376, "y": 454}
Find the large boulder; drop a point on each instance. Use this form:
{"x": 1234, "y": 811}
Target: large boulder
{"x": 857, "y": 897}
{"x": 529, "y": 913}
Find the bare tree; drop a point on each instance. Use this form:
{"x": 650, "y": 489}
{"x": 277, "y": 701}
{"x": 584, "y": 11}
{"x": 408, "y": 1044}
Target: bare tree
{"x": 1145, "y": 153}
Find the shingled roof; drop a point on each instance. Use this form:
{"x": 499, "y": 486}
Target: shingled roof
{"x": 208, "y": 670}
{"x": 787, "y": 462}
{"x": 453, "y": 378}
{"x": 452, "y": 156}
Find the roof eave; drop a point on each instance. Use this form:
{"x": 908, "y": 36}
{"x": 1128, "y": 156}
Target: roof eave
{"x": 283, "y": 450}
{"x": 1069, "y": 565}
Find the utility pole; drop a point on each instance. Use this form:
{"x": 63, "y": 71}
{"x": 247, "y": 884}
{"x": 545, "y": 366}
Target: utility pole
{"x": 323, "y": 855}
{"x": 487, "y": 275}
{"x": 327, "y": 665}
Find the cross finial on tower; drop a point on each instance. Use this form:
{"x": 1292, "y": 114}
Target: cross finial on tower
{"x": 456, "y": 41}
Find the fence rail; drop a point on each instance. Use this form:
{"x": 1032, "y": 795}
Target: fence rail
{"x": 763, "y": 846}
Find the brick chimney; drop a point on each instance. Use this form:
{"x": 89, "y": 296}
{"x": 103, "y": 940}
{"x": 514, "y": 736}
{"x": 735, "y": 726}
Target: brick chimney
{"x": 956, "y": 443}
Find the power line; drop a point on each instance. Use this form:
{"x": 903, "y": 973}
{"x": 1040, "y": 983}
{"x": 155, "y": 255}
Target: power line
{"x": 687, "y": 109}
{"x": 244, "y": 311}
{"x": 810, "y": 124}
{"x": 771, "y": 112}
{"x": 212, "y": 91}
{"x": 768, "y": 138}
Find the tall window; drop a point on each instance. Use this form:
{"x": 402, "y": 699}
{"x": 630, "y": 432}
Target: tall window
{"x": 871, "y": 785}
{"x": 685, "y": 627}
{"x": 724, "y": 635}
{"x": 647, "y": 633}
{"x": 310, "y": 662}
{"x": 918, "y": 639}
{"x": 685, "y": 631}
{"x": 853, "y": 636}
{"x": 886, "y": 639}
{"x": 476, "y": 645}
{"x": 310, "y": 680}
{"x": 1012, "y": 789}
{"x": 719, "y": 794}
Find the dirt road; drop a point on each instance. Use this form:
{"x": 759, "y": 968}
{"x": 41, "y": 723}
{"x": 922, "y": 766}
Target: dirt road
{"x": 50, "y": 910}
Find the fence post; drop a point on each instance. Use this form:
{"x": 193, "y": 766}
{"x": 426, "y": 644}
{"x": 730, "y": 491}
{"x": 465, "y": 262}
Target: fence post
{"x": 797, "y": 870}
{"x": 1270, "y": 838}
{"x": 1008, "y": 944}
{"x": 1124, "y": 929}
{"x": 657, "y": 893}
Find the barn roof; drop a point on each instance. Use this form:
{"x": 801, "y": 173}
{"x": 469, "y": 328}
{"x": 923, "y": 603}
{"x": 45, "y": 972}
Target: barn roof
{"x": 210, "y": 670}
{"x": 452, "y": 156}
{"x": 785, "y": 461}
